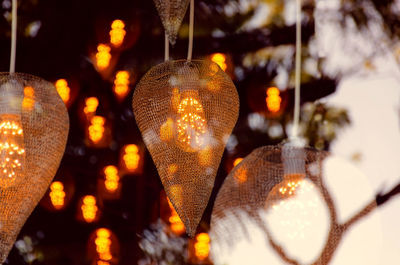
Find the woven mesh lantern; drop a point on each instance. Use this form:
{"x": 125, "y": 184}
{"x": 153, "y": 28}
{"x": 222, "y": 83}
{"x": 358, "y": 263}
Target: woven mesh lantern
{"x": 269, "y": 181}
{"x": 34, "y": 127}
{"x": 171, "y": 13}
{"x": 186, "y": 112}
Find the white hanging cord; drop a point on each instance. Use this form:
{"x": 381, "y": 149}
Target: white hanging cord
{"x": 13, "y": 36}
{"x": 296, "y": 118}
{"x": 191, "y": 25}
{"x": 166, "y": 50}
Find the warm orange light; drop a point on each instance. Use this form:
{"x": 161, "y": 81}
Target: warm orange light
{"x": 117, "y": 32}
{"x": 103, "y": 244}
{"x": 191, "y": 126}
{"x": 91, "y": 105}
{"x": 111, "y": 178}
{"x": 273, "y": 99}
{"x": 103, "y": 56}
{"x": 29, "y": 94}
{"x": 89, "y": 208}
{"x": 237, "y": 161}
{"x": 102, "y": 262}
{"x": 121, "y": 84}
{"x": 202, "y": 246}
{"x": 96, "y": 129}
{"x": 286, "y": 189}
{"x": 12, "y": 151}
{"x": 131, "y": 157}
{"x": 167, "y": 130}
{"x": 175, "y": 221}
{"x": 241, "y": 175}
{"x": 57, "y": 194}
{"x": 63, "y": 89}
{"x": 220, "y": 59}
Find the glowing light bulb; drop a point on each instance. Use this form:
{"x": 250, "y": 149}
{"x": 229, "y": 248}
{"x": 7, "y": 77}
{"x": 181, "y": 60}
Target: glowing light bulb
{"x": 117, "y": 32}
{"x": 89, "y": 208}
{"x": 191, "y": 125}
{"x": 202, "y": 246}
{"x": 237, "y": 161}
{"x": 103, "y": 56}
{"x": 273, "y": 99}
{"x": 175, "y": 221}
{"x": 63, "y": 89}
{"x": 29, "y": 98}
{"x": 111, "y": 178}
{"x": 12, "y": 150}
{"x": 131, "y": 157}
{"x": 121, "y": 84}
{"x": 96, "y": 129}
{"x": 57, "y": 194}
{"x": 91, "y": 105}
{"x": 220, "y": 59}
{"x": 103, "y": 244}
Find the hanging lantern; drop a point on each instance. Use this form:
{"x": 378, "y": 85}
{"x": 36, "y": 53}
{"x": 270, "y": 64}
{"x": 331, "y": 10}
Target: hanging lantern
{"x": 281, "y": 191}
{"x": 186, "y": 112}
{"x": 109, "y": 185}
{"x": 117, "y": 32}
{"x": 131, "y": 159}
{"x": 59, "y": 194}
{"x": 171, "y": 13}
{"x": 33, "y": 133}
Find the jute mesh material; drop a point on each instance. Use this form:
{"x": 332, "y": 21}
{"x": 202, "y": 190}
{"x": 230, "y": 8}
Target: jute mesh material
{"x": 34, "y": 127}
{"x": 260, "y": 181}
{"x": 171, "y": 13}
{"x": 186, "y": 112}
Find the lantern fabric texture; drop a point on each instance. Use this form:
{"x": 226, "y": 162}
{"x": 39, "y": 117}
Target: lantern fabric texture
{"x": 186, "y": 111}
{"x": 34, "y": 127}
{"x": 171, "y": 13}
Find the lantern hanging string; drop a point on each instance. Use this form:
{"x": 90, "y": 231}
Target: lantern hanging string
{"x": 296, "y": 118}
{"x": 13, "y": 36}
{"x": 191, "y": 25}
{"x": 166, "y": 49}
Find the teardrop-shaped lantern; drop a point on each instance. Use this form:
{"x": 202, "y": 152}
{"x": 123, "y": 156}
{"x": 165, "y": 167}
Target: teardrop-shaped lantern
{"x": 34, "y": 127}
{"x": 186, "y": 111}
{"x": 171, "y": 13}
{"x": 281, "y": 191}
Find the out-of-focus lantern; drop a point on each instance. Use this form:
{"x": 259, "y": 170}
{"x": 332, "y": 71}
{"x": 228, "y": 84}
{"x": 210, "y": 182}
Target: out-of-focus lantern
{"x": 103, "y": 247}
{"x": 63, "y": 90}
{"x": 98, "y": 132}
{"x": 121, "y": 84}
{"x": 131, "y": 159}
{"x": 199, "y": 249}
{"x": 34, "y": 127}
{"x": 185, "y": 126}
{"x": 117, "y": 33}
{"x": 103, "y": 56}
{"x": 109, "y": 185}
{"x": 273, "y": 99}
{"x": 220, "y": 59}
{"x": 88, "y": 209}
{"x": 91, "y": 104}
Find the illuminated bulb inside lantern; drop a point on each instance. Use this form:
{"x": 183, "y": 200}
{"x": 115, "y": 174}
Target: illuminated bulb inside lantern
{"x": 89, "y": 208}
{"x": 202, "y": 246}
{"x": 91, "y": 105}
{"x": 96, "y": 129}
{"x": 175, "y": 221}
{"x": 57, "y": 194}
{"x": 220, "y": 59}
{"x": 237, "y": 161}
{"x": 131, "y": 157}
{"x": 12, "y": 150}
{"x": 191, "y": 124}
{"x": 103, "y": 244}
{"x": 111, "y": 181}
{"x": 273, "y": 99}
{"x": 117, "y": 32}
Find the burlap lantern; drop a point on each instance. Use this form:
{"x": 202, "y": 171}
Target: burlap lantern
{"x": 186, "y": 112}
{"x": 269, "y": 179}
{"x": 171, "y": 13}
{"x": 34, "y": 127}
